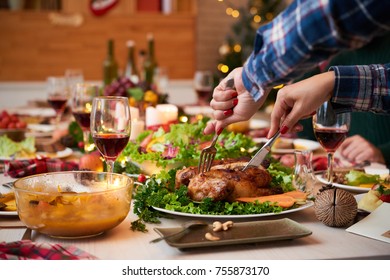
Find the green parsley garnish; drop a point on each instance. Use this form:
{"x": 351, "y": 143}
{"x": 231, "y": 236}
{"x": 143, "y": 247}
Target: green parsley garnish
{"x": 159, "y": 191}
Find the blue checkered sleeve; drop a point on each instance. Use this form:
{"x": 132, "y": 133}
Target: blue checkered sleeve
{"x": 362, "y": 88}
{"x": 308, "y": 32}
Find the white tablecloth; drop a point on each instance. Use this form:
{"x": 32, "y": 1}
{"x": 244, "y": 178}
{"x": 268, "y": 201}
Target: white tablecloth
{"x": 122, "y": 243}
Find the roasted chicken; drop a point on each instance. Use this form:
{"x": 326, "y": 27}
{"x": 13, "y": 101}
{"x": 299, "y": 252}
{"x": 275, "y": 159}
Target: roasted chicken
{"x": 226, "y": 182}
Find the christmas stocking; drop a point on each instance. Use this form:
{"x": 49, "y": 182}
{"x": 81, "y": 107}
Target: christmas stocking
{"x": 100, "y": 7}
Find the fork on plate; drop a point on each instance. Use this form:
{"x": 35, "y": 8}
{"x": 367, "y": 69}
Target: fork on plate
{"x": 207, "y": 155}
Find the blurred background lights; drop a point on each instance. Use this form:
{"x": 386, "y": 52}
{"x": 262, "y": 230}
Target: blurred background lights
{"x": 257, "y": 18}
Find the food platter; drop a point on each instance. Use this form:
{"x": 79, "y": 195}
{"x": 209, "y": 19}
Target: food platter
{"x": 240, "y": 233}
{"x": 8, "y": 213}
{"x": 300, "y": 208}
{"x": 298, "y": 144}
{"x": 60, "y": 154}
{"x": 40, "y": 130}
{"x": 258, "y": 124}
{"x": 5, "y": 190}
{"x": 359, "y": 197}
{"x": 356, "y": 189}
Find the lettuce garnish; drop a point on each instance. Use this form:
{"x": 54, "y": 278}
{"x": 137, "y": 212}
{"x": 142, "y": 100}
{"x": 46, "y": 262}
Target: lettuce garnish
{"x": 183, "y": 144}
{"x": 356, "y": 178}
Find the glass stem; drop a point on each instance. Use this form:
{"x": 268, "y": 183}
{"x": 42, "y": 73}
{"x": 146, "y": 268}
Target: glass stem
{"x": 58, "y": 119}
{"x": 110, "y": 165}
{"x": 330, "y": 168}
{"x": 87, "y": 146}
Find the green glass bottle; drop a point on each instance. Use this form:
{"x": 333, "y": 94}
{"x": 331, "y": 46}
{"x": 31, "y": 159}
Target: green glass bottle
{"x": 150, "y": 63}
{"x": 110, "y": 66}
{"x": 131, "y": 71}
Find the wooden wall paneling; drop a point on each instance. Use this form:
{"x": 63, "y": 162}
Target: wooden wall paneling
{"x": 123, "y": 7}
{"x": 32, "y": 48}
{"x": 212, "y": 27}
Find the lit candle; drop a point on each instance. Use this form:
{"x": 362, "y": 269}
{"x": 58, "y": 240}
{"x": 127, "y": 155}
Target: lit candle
{"x": 154, "y": 118}
{"x": 134, "y": 112}
{"x": 119, "y": 113}
{"x": 137, "y": 127}
{"x": 169, "y": 111}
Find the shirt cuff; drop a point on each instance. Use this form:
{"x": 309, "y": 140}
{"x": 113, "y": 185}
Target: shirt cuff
{"x": 349, "y": 91}
{"x": 252, "y": 87}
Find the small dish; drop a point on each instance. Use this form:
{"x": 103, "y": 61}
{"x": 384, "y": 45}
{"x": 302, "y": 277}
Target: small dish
{"x": 355, "y": 189}
{"x": 15, "y": 134}
{"x": 240, "y": 233}
{"x": 8, "y": 213}
{"x": 258, "y": 124}
{"x": 57, "y": 155}
{"x": 292, "y": 144}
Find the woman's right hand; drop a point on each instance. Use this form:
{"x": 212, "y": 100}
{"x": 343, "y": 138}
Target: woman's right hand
{"x": 231, "y": 105}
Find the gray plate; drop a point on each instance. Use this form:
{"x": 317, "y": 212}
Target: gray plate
{"x": 240, "y": 233}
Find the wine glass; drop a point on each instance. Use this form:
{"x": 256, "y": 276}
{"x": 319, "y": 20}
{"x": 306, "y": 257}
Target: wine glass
{"x": 83, "y": 95}
{"x": 330, "y": 129}
{"x": 73, "y": 77}
{"x": 203, "y": 85}
{"x": 110, "y": 126}
{"x": 58, "y": 95}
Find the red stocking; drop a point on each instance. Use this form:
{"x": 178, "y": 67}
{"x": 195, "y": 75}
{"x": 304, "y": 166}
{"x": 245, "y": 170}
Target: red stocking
{"x": 100, "y": 7}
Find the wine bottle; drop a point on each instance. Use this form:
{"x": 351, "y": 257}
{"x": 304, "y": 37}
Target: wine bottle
{"x": 110, "y": 66}
{"x": 150, "y": 61}
{"x": 131, "y": 71}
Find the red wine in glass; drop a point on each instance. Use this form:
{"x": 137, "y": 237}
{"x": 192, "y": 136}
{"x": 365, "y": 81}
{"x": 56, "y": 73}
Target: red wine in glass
{"x": 204, "y": 95}
{"x": 203, "y": 86}
{"x": 111, "y": 145}
{"x": 83, "y": 119}
{"x": 57, "y": 103}
{"x": 330, "y": 129}
{"x": 110, "y": 126}
{"x": 330, "y": 139}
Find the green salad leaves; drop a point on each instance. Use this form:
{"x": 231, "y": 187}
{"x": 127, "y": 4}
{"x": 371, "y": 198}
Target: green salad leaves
{"x": 186, "y": 141}
{"x": 159, "y": 191}
{"x": 24, "y": 148}
{"x": 179, "y": 147}
{"x": 356, "y": 178}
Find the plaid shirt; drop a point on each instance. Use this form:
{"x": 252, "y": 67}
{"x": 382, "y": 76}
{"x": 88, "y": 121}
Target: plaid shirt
{"x": 308, "y": 32}
{"x": 362, "y": 88}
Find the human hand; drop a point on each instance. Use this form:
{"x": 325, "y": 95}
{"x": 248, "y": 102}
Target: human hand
{"x": 231, "y": 105}
{"x": 300, "y": 100}
{"x": 358, "y": 149}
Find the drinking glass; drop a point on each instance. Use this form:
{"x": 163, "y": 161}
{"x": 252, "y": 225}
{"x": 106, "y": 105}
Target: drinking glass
{"x": 73, "y": 77}
{"x": 110, "y": 126}
{"x": 304, "y": 179}
{"x": 83, "y": 95}
{"x": 330, "y": 129}
{"x": 203, "y": 85}
{"x": 58, "y": 95}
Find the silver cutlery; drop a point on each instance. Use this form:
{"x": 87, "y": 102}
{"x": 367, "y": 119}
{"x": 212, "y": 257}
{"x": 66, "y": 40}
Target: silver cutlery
{"x": 207, "y": 155}
{"x": 186, "y": 226}
{"x": 258, "y": 158}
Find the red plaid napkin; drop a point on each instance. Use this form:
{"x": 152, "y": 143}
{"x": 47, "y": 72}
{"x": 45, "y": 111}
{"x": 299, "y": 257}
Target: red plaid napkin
{"x": 28, "y": 250}
{"x": 22, "y": 168}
